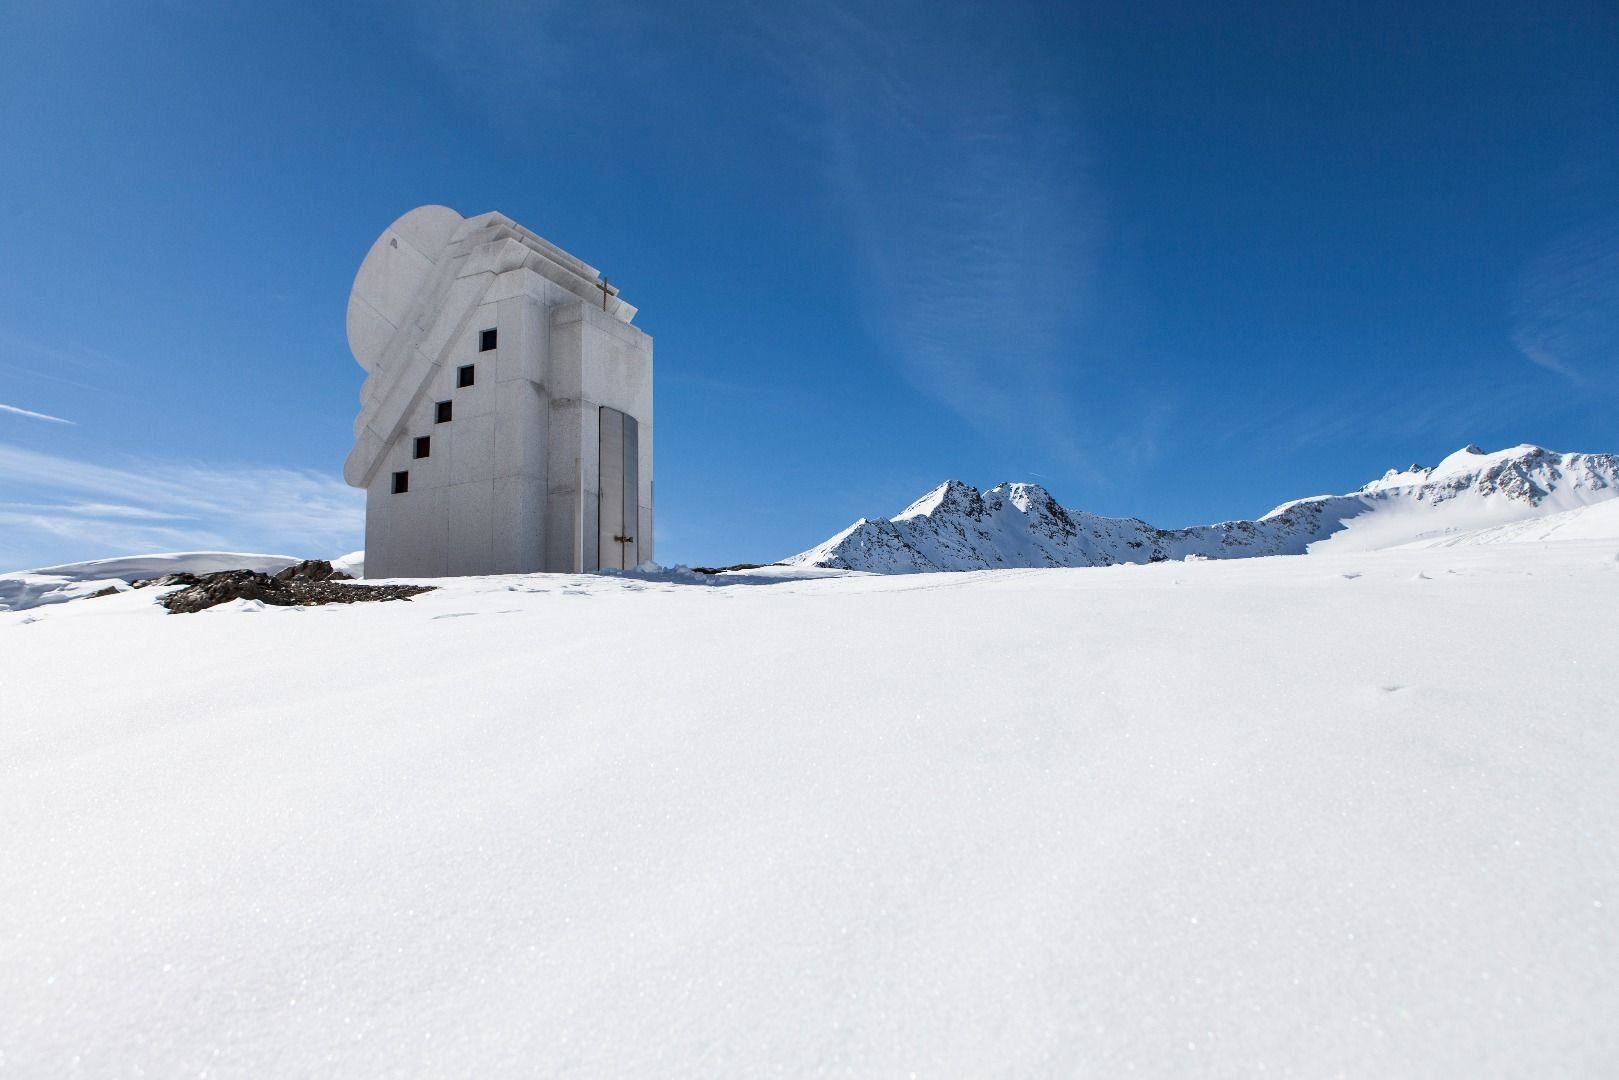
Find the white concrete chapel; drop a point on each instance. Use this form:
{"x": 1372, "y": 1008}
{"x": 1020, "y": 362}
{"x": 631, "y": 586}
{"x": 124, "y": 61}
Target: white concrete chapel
{"x": 506, "y": 417}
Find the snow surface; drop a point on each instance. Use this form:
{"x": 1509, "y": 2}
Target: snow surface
{"x": 352, "y": 564}
{"x": 956, "y": 527}
{"x": 1597, "y": 522}
{"x": 59, "y": 584}
{"x": 1352, "y": 814}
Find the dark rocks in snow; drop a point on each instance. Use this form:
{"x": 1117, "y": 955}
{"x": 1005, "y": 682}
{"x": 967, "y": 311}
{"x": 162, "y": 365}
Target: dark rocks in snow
{"x": 110, "y": 590}
{"x": 181, "y": 578}
{"x": 286, "y": 589}
{"x": 206, "y": 590}
{"x": 711, "y": 571}
{"x": 312, "y": 570}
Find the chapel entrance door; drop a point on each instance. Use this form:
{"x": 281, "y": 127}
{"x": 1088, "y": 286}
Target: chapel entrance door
{"x": 617, "y": 516}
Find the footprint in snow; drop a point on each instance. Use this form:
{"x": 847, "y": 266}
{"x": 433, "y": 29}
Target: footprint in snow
{"x": 1350, "y": 576}
{"x": 1392, "y": 688}
{"x": 454, "y": 615}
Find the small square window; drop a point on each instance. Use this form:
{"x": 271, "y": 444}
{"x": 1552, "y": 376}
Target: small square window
{"x": 441, "y": 413}
{"x": 424, "y": 446}
{"x": 486, "y": 341}
{"x": 401, "y": 482}
{"x": 464, "y": 376}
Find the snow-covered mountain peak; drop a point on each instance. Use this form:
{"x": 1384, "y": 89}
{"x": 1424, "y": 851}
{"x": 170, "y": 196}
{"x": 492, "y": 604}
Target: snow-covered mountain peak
{"x": 1026, "y": 498}
{"x": 1525, "y": 472}
{"x": 952, "y": 496}
{"x": 957, "y": 527}
{"x": 955, "y": 498}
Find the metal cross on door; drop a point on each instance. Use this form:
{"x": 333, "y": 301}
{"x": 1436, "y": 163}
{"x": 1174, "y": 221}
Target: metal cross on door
{"x": 618, "y": 517}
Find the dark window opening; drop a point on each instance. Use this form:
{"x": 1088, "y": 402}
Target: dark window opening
{"x": 464, "y": 376}
{"x": 486, "y": 341}
{"x": 424, "y": 446}
{"x": 441, "y": 413}
{"x": 401, "y": 482}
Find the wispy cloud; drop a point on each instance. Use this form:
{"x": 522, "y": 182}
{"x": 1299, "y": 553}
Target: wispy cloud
{"x": 562, "y": 48}
{"x": 55, "y": 509}
{"x": 460, "y": 45}
{"x": 62, "y": 354}
{"x": 31, "y": 414}
{"x": 1565, "y": 314}
{"x": 948, "y": 149}
{"x": 976, "y": 227}
{"x": 1434, "y": 408}
{"x": 64, "y": 363}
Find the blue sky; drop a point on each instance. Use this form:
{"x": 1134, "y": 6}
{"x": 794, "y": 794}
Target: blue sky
{"x": 1169, "y": 263}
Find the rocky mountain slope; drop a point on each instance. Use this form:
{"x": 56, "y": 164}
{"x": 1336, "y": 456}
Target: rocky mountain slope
{"x": 957, "y": 527}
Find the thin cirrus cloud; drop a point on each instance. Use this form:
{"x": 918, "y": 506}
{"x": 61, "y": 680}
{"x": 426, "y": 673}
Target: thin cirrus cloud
{"x": 31, "y": 414}
{"x": 56, "y": 509}
{"x": 1565, "y": 314}
{"x": 969, "y": 203}
{"x": 28, "y": 360}
{"x": 973, "y": 222}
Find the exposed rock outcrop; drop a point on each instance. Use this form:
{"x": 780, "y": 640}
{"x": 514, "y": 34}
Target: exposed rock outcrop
{"x": 312, "y": 570}
{"x": 286, "y": 589}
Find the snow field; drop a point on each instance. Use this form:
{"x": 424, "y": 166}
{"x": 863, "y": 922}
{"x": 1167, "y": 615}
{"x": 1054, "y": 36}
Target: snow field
{"x": 1344, "y": 814}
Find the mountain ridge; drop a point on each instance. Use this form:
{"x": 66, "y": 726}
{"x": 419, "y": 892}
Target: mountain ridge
{"x": 955, "y": 526}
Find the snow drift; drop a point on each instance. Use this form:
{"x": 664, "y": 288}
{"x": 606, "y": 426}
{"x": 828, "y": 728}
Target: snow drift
{"x": 1346, "y": 815}
{"x": 957, "y": 527}
{"x": 70, "y": 581}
